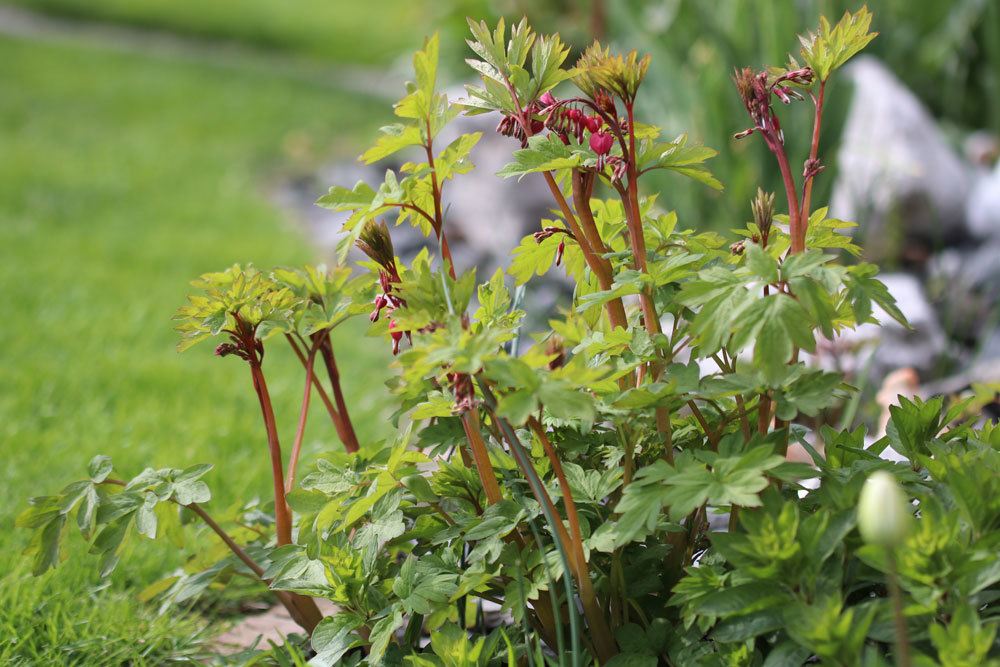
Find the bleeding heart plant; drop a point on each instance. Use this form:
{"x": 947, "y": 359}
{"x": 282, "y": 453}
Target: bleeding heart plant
{"x": 620, "y": 487}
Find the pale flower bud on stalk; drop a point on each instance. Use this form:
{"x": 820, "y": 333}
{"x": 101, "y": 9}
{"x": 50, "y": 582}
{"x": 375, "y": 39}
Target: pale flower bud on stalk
{"x": 884, "y": 514}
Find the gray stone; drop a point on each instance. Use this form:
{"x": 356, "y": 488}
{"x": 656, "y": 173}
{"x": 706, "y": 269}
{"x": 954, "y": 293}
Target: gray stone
{"x": 965, "y": 286}
{"x": 298, "y": 197}
{"x": 897, "y": 175}
{"x": 485, "y": 216}
{"x": 983, "y": 207}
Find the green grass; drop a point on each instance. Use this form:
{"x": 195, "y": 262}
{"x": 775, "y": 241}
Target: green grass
{"x": 122, "y": 178}
{"x": 341, "y": 30}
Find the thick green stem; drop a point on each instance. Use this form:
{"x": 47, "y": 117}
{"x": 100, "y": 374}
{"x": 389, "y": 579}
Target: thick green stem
{"x": 302, "y": 609}
{"x": 795, "y": 228}
{"x": 899, "y": 618}
{"x": 436, "y": 194}
{"x": 637, "y": 241}
{"x": 637, "y": 237}
{"x": 590, "y": 256}
{"x": 603, "y": 641}
{"x": 544, "y": 620}
{"x": 712, "y": 436}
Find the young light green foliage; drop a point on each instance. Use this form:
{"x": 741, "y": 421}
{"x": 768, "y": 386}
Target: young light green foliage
{"x": 828, "y": 48}
{"x": 248, "y": 294}
{"x": 508, "y": 83}
{"x": 424, "y": 111}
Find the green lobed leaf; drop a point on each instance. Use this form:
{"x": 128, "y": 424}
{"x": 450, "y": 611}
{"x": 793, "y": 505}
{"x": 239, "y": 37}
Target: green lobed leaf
{"x": 829, "y": 48}
{"x": 543, "y": 153}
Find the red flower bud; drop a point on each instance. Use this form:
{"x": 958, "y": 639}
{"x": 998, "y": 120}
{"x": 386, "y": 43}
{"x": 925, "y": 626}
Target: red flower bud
{"x": 397, "y": 336}
{"x": 593, "y": 123}
{"x": 225, "y": 349}
{"x": 381, "y": 301}
{"x": 601, "y": 142}
{"x": 605, "y": 102}
{"x": 559, "y": 252}
{"x": 812, "y": 167}
{"x": 547, "y": 99}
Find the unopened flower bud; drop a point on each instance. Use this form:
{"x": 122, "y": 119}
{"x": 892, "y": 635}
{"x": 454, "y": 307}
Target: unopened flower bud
{"x": 547, "y": 99}
{"x": 601, "y": 142}
{"x": 465, "y": 393}
{"x": 605, "y": 102}
{"x": 812, "y": 167}
{"x": 225, "y": 349}
{"x": 381, "y": 301}
{"x": 505, "y": 126}
{"x": 559, "y": 252}
{"x": 803, "y": 75}
{"x": 593, "y": 123}
{"x": 555, "y": 347}
{"x": 763, "y": 212}
{"x": 376, "y": 242}
{"x": 397, "y": 337}
{"x": 884, "y": 514}
{"x": 618, "y": 168}
{"x": 738, "y": 248}
{"x": 783, "y": 93}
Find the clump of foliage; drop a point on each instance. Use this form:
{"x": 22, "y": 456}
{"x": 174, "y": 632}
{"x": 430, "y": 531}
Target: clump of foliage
{"x": 619, "y": 487}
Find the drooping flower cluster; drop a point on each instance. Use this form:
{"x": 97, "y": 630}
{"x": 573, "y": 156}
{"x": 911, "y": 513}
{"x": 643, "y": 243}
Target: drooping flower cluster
{"x": 509, "y": 126}
{"x": 756, "y": 88}
{"x": 375, "y": 242}
{"x": 566, "y": 118}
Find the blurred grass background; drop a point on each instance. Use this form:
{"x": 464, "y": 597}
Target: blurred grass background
{"x": 121, "y": 179}
{"x": 125, "y": 174}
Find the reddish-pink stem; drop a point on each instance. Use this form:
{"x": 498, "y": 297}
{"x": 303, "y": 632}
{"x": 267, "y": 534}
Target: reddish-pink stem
{"x": 282, "y": 513}
{"x": 300, "y": 431}
{"x": 345, "y": 428}
{"x": 813, "y": 155}
{"x": 795, "y": 231}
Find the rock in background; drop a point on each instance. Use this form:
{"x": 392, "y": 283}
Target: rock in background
{"x": 896, "y": 174}
{"x": 923, "y": 207}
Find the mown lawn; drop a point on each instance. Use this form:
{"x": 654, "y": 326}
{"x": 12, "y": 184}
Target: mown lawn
{"x": 121, "y": 178}
{"x": 345, "y": 31}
